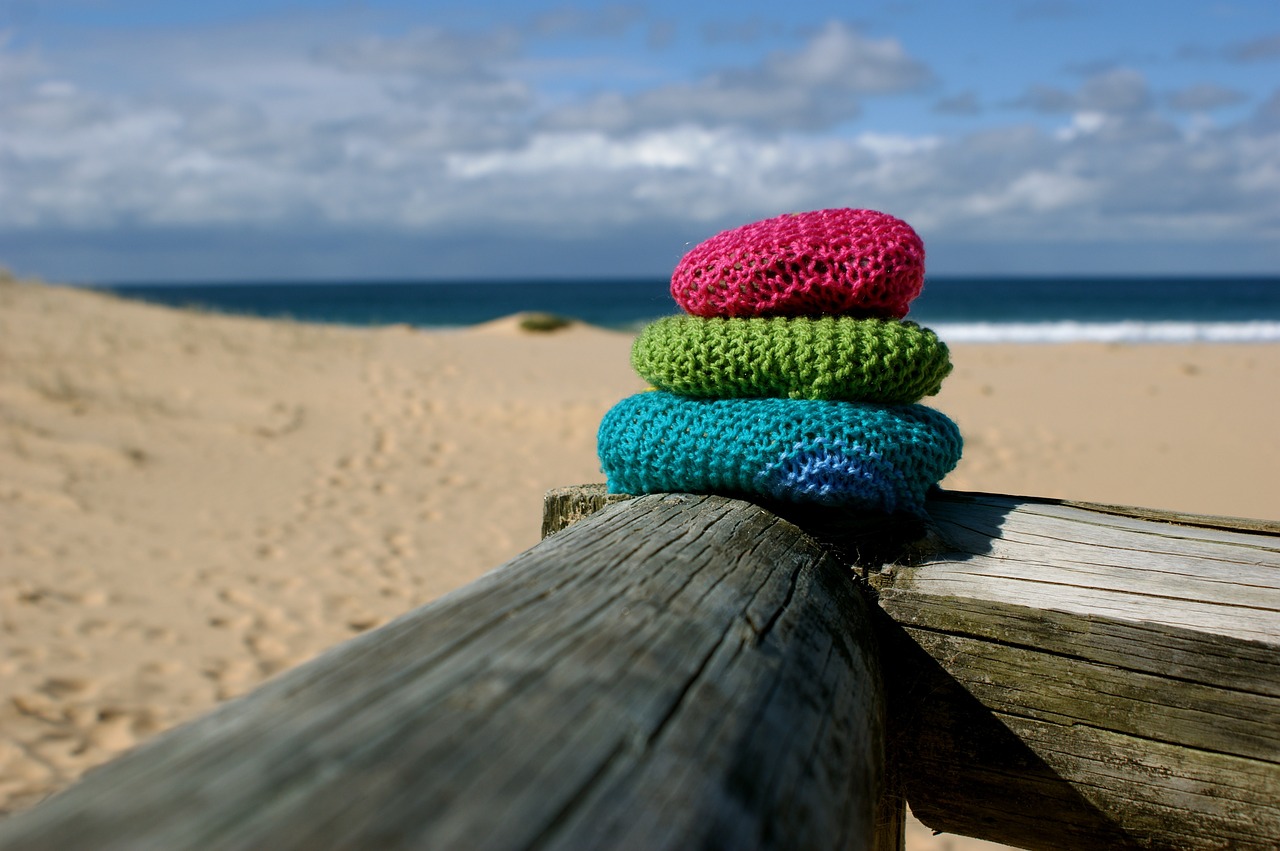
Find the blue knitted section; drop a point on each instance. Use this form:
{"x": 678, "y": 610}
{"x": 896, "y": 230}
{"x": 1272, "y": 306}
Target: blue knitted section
{"x": 883, "y": 457}
{"x": 824, "y": 470}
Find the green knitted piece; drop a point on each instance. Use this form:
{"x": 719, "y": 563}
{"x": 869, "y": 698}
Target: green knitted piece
{"x": 831, "y": 357}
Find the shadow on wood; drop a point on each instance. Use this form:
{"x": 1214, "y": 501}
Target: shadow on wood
{"x": 1068, "y": 675}
{"x": 1133, "y": 655}
{"x": 943, "y": 740}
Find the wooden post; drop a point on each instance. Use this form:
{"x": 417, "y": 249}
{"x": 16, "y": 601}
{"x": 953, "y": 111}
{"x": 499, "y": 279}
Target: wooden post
{"x": 672, "y": 672}
{"x": 1078, "y": 676}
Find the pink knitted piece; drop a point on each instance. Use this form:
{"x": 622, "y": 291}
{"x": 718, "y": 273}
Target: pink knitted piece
{"x": 848, "y": 262}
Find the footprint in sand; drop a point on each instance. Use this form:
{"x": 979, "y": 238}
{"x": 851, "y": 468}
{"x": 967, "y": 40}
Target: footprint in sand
{"x": 384, "y": 442}
{"x": 117, "y": 728}
{"x": 113, "y": 732}
{"x": 63, "y": 688}
{"x": 39, "y": 706}
{"x": 399, "y": 543}
{"x": 233, "y": 677}
{"x": 271, "y": 653}
{"x": 349, "y": 611}
{"x": 348, "y": 463}
{"x": 238, "y": 622}
{"x": 272, "y": 552}
{"x": 238, "y": 597}
{"x": 416, "y": 408}
{"x": 98, "y": 628}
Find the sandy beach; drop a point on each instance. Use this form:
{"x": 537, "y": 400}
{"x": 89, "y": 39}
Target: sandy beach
{"x": 191, "y": 503}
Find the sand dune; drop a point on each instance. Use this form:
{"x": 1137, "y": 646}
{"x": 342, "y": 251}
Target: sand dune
{"x": 191, "y": 503}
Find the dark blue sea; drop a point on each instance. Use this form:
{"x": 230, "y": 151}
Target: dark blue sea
{"x": 959, "y": 309}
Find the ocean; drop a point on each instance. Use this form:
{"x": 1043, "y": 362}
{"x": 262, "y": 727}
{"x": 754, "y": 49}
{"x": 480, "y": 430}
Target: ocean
{"x": 997, "y": 310}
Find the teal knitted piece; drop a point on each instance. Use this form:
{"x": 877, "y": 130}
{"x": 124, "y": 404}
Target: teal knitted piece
{"x": 883, "y": 457}
{"x": 860, "y": 360}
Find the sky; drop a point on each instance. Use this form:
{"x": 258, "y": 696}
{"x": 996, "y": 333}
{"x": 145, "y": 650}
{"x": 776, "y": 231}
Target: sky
{"x": 233, "y": 140}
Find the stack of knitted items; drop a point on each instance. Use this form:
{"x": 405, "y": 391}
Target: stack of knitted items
{"x": 792, "y": 376}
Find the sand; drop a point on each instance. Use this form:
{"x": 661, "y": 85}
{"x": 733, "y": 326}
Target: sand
{"x": 190, "y": 503}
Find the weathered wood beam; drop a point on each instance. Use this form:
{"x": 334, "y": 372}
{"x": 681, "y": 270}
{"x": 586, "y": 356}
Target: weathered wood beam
{"x": 673, "y": 672}
{"x": 1068, "y": 675}
{"x": 1125, "y": 671}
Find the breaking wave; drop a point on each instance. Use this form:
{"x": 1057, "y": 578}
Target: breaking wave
{"x": 1108, "y": 332}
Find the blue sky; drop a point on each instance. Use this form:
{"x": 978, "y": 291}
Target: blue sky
{"x": 146, "y": 140}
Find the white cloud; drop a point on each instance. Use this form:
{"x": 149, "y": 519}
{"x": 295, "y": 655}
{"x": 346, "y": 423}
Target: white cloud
{"x": 1082, "y": 124}
{"x": 839, "y": 57}
{"x": 816, "y": 87}
{"x": 435, "y": 132}
{"x": 587, "y": 177}
{"x": 548, "y": 153}
{"x": 1034, "y": 191}
{"x": 896, "y": 144}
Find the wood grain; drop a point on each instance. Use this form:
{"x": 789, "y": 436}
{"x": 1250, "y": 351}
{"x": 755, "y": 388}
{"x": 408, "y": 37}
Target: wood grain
{"x": 1113, "y": 680}
{"x": 1068, "y": 675}
{"x": 672, "y": 672}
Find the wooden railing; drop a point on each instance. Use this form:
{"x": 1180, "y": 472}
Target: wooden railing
{"x": 676, "y": 671}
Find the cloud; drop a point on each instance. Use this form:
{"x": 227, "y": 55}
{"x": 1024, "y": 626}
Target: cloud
{"x": 431, "y": 52}
{"x": 240, "y": 132}
{"x": 737, "y": 31}
{"x": 608, "y": 21}
{"x": 437, "y": 87}
{"x": 1033, "y": 191}
{"x": 1046, "y": 99}
{"x": 450, "y": 136}
{"x": 1121, "y": 90}
{"x": 593, "y": 180}
{"x": 1262, "y": 49}
{"x": 814, "y": 88}
{"x": 1118, "y": 91}
{"x": 1204, "y": 97}
{"x": 1256, "y": 50}
{"x": 680, "y": 149}
{"x": 965, "y": 103}
{"x": 17, "y": 66}
{"x": 840, "y": 58}
{"x": 661, "y": 34}
{"x": 1267, "y": 116}
{"x": 1108, "y": 180}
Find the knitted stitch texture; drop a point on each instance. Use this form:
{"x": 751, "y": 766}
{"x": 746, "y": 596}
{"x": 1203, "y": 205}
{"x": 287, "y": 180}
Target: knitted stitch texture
{"x": 883, "y": 457}
{"x": 868, "y": 360}
{"x": 851, "y": 262}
